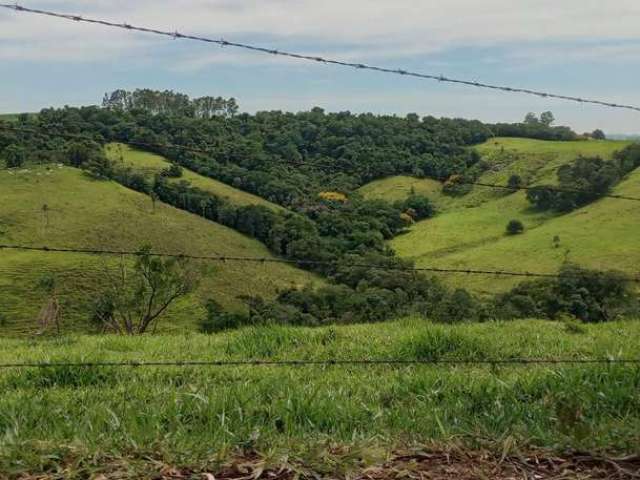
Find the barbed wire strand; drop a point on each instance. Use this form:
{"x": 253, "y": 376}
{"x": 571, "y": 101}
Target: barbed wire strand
{"x": 318, "y": 59}
{"x": 265, "y": 260}
{"x": 323, "y": 363}
{"x": 208, "y": 150}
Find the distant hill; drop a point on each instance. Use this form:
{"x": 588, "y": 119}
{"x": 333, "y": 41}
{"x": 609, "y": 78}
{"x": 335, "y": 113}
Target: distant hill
{"x": 82, "y": 212}
{"x": 469, "y": 231}
{"x": 623, "y": 136}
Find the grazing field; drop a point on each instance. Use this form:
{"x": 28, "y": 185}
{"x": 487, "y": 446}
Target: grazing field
{"x": 72, "y": 420}
{"x": 63, "y": 207}
{"x": 469, "y": 231}
{"x": 12, "y": 117}
{"x": 152, "y": 164}
{"x": 400, "y": 187}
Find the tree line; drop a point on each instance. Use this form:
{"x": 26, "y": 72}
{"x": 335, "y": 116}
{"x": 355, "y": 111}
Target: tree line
{"x": 585, "y": 180}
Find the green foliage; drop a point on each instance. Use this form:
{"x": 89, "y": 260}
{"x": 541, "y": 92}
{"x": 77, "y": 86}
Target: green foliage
{"x": 47, "y": 283}
{"x": 532, "y": 127}
{"x": 217, "y": 320}
{"x": 598, "y": 134}
{"x": 515, "y": 182}
{"x": 571, "y": 324}
{"x": 418, "y": 207}
{"x": 547, "y": 118}
{"x": 173, "y": 171}
{"x": 135, "y": 301}
{"x": 437, "y": 343}
{"x": 515, "y": 227}
{"x": 14, "y": 156}
{"x": 169, "y": 103}
{"x": 583, "y": 181}
{"x": 591, "y": 296}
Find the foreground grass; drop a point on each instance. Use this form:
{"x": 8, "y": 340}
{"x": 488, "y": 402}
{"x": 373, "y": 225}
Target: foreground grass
{"x": 194, "y": 415}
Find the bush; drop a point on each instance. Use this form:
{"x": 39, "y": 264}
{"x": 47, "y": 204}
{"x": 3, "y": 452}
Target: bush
{"x": 418, "y": 207}
{"x": 174, "y": 171}
{"x": 217, "y": 320}
{"x": 588, "y": 295}
{"x": 514, "y": 227}
{"x": 14, "y": 156}
{"x": 515, "y": 182}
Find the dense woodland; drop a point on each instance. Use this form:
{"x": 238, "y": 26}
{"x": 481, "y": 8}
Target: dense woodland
{"x": 312, "y": 163}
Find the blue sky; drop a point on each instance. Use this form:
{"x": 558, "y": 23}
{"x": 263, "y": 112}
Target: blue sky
{"x": 575, "y": 47}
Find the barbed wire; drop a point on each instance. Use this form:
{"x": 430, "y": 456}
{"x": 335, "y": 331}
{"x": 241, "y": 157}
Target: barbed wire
{"x": 318, "y": 59}
{"x": 323, "y": 363}
{"x": 209, "y": 149}
{"x": 316, "y": 263}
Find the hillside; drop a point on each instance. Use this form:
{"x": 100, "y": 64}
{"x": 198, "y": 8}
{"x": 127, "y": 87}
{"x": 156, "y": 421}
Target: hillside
{"x": 151, "y": 164}
{"x": 469, "y": 231}
{"x": 82, "y": 212}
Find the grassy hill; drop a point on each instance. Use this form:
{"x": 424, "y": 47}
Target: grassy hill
{"x": 92, "y": 418}
{"x": 151, "y": 164}
{"x": 469, "y": 232}
{"x": 82, "y": 212}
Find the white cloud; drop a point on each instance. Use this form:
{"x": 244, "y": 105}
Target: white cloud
{"x": 347, "y": 29}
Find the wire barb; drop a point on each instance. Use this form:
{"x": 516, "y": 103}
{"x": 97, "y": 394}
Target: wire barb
{"x": 257, "y": 48}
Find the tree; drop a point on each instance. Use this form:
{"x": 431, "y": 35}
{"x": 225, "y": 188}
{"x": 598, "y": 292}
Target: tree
{"x": 515, "y": 227}
{"x": 515, "y": 182}
{"x": 531, "y": 119}
{"x": 135, "y": 299}
{"x": 598, "y": 134}
{"x": 98, "y": 166}
{"x": 173, "y": 171}
{"x": 547, "y": 118}
{"x": 418, "y": 207}
{"x": 14, "y": 156}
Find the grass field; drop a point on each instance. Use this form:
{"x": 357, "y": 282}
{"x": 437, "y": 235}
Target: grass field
{"x": 86, "y": 213}
{"x": 152, "y": 164}
{"x": 8, "y": 117}
{"x": 12, "y": 117}
{"x": 469, "y": 232}
{"x": 80, "y": 417}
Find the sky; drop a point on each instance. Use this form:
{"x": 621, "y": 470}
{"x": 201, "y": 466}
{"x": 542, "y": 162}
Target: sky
{"x": 586, "y": 48}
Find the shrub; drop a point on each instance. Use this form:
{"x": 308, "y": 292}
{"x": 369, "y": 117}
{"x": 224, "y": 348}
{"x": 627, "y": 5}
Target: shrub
{"x": 418, "y": 206}
{"x": 174, "y": 171}
{"x": 515, "y": 227}
{"x": 571, "y": 323}
{"x": 588, "y": 295}
{"x": 14, "y": 156}
{"x": 515, "y": 182}
{"x": 217, "y": 320}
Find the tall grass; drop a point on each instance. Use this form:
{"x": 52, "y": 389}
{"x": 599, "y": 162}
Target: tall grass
{"x": 189, "y": 415}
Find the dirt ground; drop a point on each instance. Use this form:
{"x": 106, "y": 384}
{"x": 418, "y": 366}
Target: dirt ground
{"x": 408, "y": 465}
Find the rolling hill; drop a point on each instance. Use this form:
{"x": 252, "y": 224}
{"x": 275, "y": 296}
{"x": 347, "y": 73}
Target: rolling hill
{"x": 151, "y": 164}
{"x": 82, "y": 212}
{"x": 469, "y": 231}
